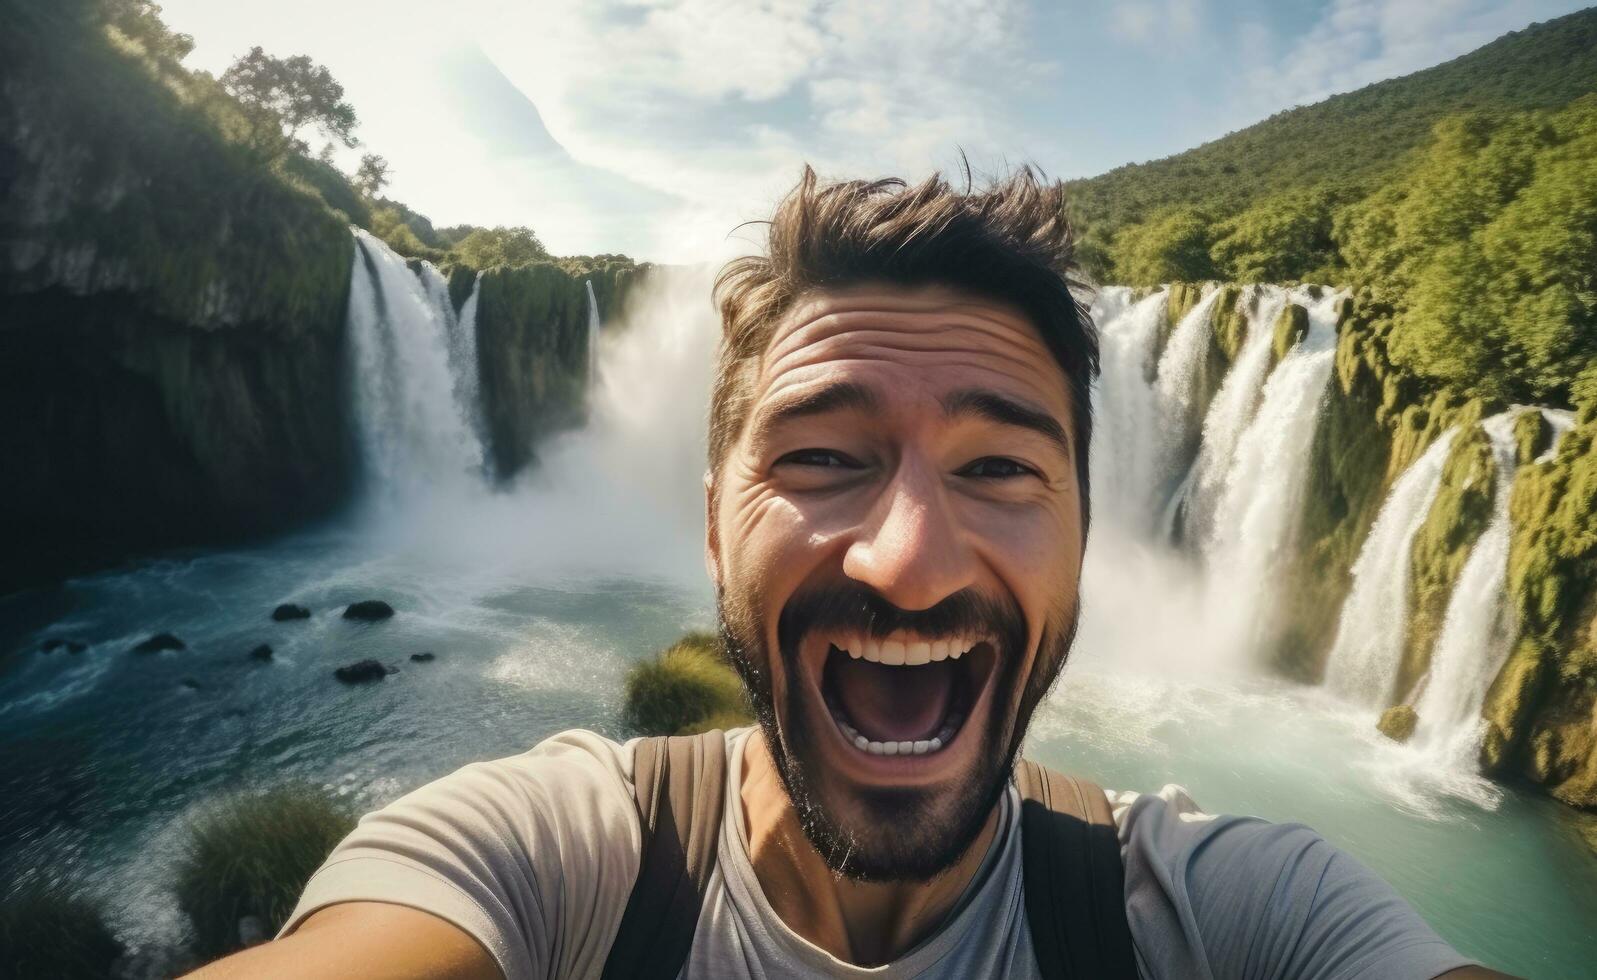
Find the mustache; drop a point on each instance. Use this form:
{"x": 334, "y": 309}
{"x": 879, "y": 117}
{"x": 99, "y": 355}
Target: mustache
{"x": 853, "y": 607}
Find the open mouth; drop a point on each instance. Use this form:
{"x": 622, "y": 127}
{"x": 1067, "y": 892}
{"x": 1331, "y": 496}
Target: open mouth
{"x": 904, "y": 696}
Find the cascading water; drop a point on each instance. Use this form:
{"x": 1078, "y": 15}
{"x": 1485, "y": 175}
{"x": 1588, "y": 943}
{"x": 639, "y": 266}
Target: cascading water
{"x": 1256, "y": 517}
{"x": 414, "y": 375}
{"x": 1478, "y": 629}
{"x": 593, "y": 340}
{"x": 1233, "y": 408}
{"x": 1177, "y": 389}
{"x": 1126, "y": 407}
{"x": 1369, "y": 638}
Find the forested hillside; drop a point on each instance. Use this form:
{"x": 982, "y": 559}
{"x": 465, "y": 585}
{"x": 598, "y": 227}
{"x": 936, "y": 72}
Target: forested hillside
{"x": 1461, "y": 200}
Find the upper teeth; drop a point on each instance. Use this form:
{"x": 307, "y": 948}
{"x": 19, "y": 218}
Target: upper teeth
{"x": 903, "y": 653}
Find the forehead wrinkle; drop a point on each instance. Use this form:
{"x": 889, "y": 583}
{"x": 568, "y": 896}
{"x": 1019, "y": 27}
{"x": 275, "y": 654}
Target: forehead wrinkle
{"x": 1036, "y": 372}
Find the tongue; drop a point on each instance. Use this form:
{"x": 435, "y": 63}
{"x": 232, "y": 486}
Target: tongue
{"x": 893, "y": 704}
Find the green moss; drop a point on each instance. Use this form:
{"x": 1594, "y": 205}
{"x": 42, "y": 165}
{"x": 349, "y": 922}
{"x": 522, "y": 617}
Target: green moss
{"x": 1231, "y": 322}
{"x": 49, "y": 932}
{"x": 688, "y": 688}
{"x": 1398, "y": 723}
{"x": 1462, "y": 509}
{"x": 1182, "y": 298}
{"x": 1542, "y": 706}
{"x": 1290, "y": 327}
{"x": 1532, "y": 436}
{"x": 251, "y": 855}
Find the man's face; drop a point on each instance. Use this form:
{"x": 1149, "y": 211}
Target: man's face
{"x": 896, "y": 541}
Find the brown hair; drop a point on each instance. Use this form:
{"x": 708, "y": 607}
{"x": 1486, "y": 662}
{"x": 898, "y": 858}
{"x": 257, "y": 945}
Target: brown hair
{"x": 1008, "y": 241}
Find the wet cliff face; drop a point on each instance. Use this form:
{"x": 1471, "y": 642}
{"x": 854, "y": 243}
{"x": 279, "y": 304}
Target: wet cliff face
{"x": 532, "y": 349}
{"x": 171, "y": 318}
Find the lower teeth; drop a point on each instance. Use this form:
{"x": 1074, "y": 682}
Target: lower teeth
{"x": 918, "y": 747}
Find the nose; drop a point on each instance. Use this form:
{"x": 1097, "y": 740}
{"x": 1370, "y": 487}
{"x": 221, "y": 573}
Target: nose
{"x": 910, "y": 549}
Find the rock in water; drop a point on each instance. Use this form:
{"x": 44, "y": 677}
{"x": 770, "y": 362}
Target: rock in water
{"x": 361, "y": 671}
{"x": 70, "y": 646}
{"x": 191, "y": 683}
{"x": 262, "y": 652}
{"x": 288, "y": 611}
{"x": 160, "y": 642}
{"x": 1398, "y": 723}
{"x": 369, "y": 610}
{"x": 423, "y": 658}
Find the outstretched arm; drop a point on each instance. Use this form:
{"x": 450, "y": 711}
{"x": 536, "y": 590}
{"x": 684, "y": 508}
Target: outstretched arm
{"x": 363, "y": 939}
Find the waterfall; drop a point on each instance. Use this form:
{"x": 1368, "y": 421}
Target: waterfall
{"x": 1124, "y": 456}
{"x": 593, "y": 339}
{"x": 1478, "y": 629}
{"x": 1256, "y": 518}
{"x": 1369, "y": 636}
{"x": 1232, "y": 409}
{"x": 1180, "y": 375}
{"x": 414, "y": 375}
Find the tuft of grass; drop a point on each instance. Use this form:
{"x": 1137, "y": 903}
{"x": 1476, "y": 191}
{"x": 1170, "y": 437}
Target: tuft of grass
{"x": 251, "y": 855}
{"x": 47, "y": 931}
{"x": 688, "y": 688}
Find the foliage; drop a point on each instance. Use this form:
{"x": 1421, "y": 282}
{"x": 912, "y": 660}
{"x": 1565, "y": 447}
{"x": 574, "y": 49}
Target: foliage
{"x": 282, "y": 96}
{"x": 46, "y": 931}
{"x": 1174, "y": 244}
{"x": 372, "y": 175}
{"x": 251, "y": 855}
{"x": 488, "y": 248}
{"x": 1486, "y": 250}
{"x": 1283, "y": 237}
{"x": 139, "y": 21}
{"x": 688, "y": 688}
{"x": 1345, "y": 145}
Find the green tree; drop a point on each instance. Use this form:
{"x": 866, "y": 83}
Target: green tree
{"x": 283, "y": 96}
{"x": 485, "y": 248}
{"x": 140, "y": 21}
{"x": 1169, "y": 246}
{"x": 372, "y": 175}
{"x": 1283, "y": 237}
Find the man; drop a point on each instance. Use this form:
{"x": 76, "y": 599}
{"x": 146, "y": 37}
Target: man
{"x": 896, "y": 510}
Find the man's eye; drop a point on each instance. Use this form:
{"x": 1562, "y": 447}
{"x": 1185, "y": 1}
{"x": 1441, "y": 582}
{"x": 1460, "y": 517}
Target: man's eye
{"x": 996, "y": 468}
{"x": 819, "y": 457}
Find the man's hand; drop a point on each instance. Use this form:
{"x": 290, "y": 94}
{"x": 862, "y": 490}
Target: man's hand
{"x": 363, "y": 939}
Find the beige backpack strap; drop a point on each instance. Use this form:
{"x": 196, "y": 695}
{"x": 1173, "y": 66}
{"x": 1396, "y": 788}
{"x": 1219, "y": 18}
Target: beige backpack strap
{"x": 1074, "y": 878}
{"x": 680, "y": 785}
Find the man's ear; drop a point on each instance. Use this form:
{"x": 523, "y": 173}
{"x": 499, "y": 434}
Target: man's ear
{"x": 712, "y": 539}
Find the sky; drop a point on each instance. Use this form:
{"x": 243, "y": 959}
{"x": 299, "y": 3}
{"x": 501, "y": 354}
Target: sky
{"x": 656, "y": 128}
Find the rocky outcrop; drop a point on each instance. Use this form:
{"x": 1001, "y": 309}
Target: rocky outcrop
{"x": 368, "y": 610}
{"x": 532, "y": 349}
{"x": 171, "y": 318}
{"x": 1398, "y": 723}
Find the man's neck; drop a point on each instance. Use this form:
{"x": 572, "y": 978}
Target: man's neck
{"x": 864, "y": 923}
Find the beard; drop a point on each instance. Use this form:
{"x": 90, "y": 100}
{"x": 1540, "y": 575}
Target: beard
{"x": 891, "y": 833}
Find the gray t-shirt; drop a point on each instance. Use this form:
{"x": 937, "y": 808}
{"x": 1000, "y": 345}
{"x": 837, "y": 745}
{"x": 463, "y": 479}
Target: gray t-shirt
{"x": 536, "y": 854}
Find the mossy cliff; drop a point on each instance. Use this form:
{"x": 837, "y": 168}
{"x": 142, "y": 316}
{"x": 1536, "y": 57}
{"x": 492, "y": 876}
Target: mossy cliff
{"x": 171, "y": 316}
{"x": 532, "y": 348}
{"x": 1542, "y": 709}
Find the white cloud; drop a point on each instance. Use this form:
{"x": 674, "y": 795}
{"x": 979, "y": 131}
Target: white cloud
{"x": 1357, "y": 42}
{"x": 719, "y": 103}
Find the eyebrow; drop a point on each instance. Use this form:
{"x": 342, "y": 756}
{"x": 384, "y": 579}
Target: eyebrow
{"x": 836, "y": 397}
{"x": 1006, "y": 411}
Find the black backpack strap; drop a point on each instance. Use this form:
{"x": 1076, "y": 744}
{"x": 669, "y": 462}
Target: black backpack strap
{"x": 1074, "y": 879}
{"x": 680, "y": 783}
